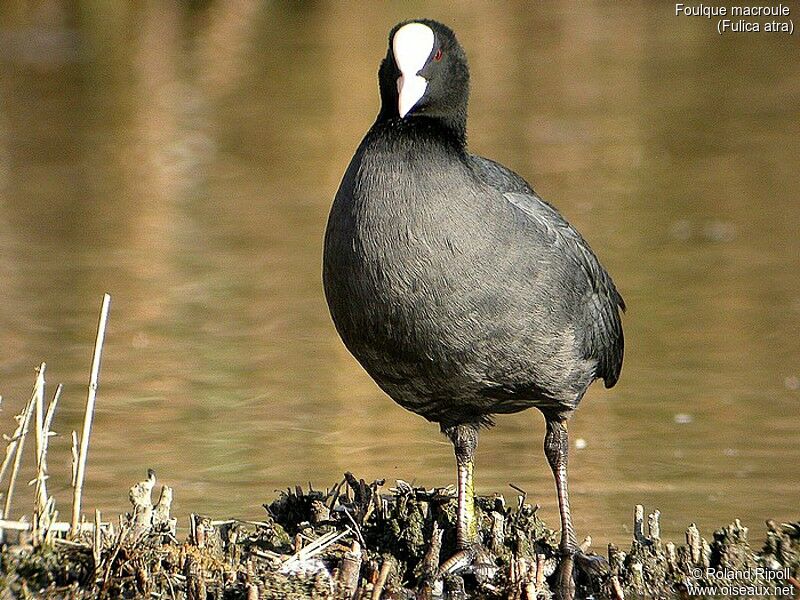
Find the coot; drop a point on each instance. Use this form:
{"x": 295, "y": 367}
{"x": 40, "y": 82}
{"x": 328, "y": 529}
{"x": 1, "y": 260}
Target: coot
{"x": 459, "y": 290}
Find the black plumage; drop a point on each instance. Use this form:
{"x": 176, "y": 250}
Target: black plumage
{"x": 460, "y": 291}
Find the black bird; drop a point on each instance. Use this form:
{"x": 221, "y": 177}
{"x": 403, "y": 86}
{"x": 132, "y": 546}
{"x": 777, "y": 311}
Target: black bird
{"x": 459, "y": 290}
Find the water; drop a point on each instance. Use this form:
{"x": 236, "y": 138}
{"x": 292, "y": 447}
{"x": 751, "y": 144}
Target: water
{"x": 184, "y": 161}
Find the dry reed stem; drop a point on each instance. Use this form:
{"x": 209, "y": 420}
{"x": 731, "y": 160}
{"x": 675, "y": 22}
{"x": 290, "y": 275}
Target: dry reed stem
{"x": 41, "y": 522}
{"x": 40, "y": 495}
{"x": 51, "y": 411}
{"x": 45, "y": 515}
{"x": 52, "y": 517}
{"x": 89, "y": 414}
{"x": 20, "y": 439}
{"x": 13, "y": 441}
{"x": 74, "y": 454}
{"x": 97, "y": 539}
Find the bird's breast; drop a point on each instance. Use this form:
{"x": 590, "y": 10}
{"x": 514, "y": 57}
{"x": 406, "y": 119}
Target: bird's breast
{"x": 393, "y": 261}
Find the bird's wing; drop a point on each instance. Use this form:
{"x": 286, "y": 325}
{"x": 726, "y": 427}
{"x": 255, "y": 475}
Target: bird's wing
{"x": 499, "y": 177}
{"x": 604, "y": 339}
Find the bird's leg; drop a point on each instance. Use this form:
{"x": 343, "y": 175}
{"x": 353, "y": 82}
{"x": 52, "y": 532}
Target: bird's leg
{"x": 556, "y": 448}
{"x": 465, "y": 439}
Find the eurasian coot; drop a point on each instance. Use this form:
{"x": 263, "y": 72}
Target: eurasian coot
{"x": 460, "y": 291}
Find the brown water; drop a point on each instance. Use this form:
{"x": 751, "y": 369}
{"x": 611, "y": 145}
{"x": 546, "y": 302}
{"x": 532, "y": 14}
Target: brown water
{"x": 185, "y": 163}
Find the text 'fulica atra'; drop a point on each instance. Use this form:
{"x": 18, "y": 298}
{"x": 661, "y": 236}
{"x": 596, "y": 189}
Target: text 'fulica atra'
{"x": 460, "y": 291}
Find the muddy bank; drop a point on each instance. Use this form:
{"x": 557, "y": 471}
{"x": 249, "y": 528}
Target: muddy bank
{"x": 370, "y": 540}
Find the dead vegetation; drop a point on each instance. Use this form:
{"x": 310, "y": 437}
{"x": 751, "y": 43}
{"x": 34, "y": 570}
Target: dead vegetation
{"x": 358, "y": 540}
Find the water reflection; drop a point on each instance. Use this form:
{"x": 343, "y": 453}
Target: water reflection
{"x": 184, "y": 160}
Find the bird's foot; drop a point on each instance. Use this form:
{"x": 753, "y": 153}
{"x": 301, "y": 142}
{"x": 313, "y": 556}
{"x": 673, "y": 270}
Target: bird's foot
{"x": 474, "y": 560}
{"x": 578, "y": 567}
{"x": 448, "y": 581}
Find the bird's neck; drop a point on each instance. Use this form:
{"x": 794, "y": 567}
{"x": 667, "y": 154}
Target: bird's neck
{"x": 424, "y": 130}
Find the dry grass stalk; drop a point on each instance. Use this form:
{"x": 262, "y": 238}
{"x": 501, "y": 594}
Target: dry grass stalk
{"x": 13, "y": 441}
{"x": 97, "y": 539}
{"x": 19, "y": 443}
{"x": 50, "y": 517}
{"x": 15, "y": 445}
{"x": 44, "y": 506}
{"x": 38, "y": 393}
{"x": 49, "y": 514}
{"x": 42, "y": 520}
{"x": 51, "y": 411}
{"x": 74, "y": 453}
{"x": 89, "y": 414}
{"x": 45, "y": 526}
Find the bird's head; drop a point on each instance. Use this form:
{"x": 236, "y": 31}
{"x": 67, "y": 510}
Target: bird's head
{"x": 424, "y": 73}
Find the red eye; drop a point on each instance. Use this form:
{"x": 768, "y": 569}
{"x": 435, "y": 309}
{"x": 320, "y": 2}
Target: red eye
{"x": 438, "y": 56}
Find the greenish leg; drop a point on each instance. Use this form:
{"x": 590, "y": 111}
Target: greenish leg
{"x": 465, "y": 440}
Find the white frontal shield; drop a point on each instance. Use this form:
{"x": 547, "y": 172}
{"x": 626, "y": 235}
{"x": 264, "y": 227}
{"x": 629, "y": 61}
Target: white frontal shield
{"x": 412, "y": 45}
